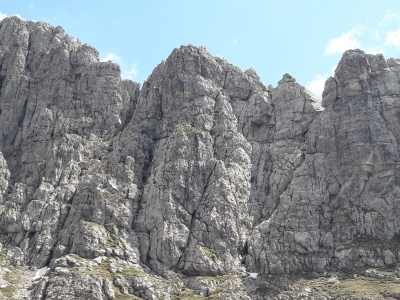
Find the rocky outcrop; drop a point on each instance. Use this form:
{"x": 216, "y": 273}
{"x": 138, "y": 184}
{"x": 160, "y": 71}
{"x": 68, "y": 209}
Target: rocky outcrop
{"x": 339, "y": 210}
{"x": 201, "y": 183}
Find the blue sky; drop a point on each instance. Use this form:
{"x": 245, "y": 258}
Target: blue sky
{"x": 305, "y": 38}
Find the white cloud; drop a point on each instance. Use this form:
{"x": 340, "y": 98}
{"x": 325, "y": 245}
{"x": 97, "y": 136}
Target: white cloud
{"x": 31, "y": 5}
{"x": 388, "y": 18}
{"x": 2, "y": 16}
{"x": 316, "y": 86}
{"x": 234, "y": 41}
{"x": 393, "y": 38}
{"x": 348, "y": 40}
{"x": 130, "y": 74}
{"x": 113, "y": 57}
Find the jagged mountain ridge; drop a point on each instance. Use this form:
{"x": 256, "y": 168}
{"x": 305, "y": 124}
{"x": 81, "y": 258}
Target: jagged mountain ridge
{"x": 167, "y": 191}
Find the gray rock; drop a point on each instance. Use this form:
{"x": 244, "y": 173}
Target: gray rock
{"x": 170, "y": 189}
{"x": 341, "y": 197}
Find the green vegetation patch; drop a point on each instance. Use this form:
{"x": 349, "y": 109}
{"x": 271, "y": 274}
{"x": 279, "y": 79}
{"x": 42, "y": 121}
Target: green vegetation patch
{"x": 133, "y": 272}
{"x": 372, "y": 287}
{"x": 13, "y": 277}
{"x": 186, "y": 294}
{"x": 111, "y": 239}
{"x": 396, "y": 239}
{"x": 188, "y": 128}
{"x": 342, "y": 288}
{"x": 219, "y": 278}
{"x": 366, "y": 240}
{"x": 103, "y": 270}
{"x": 112, "y": 195}
{"x": 120, "y": 296}
{"x": 212, "y": 254}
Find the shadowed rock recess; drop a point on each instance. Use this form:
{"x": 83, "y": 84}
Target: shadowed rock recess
{"x": 202, "y": 183}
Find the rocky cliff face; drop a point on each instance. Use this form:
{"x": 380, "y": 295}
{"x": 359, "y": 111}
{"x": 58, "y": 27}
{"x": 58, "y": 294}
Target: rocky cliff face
{"x": 182, "y": 188}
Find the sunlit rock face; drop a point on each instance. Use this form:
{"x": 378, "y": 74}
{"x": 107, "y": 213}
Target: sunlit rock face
{"x": 183, "y": 187}
{"x": 340, "y": 207}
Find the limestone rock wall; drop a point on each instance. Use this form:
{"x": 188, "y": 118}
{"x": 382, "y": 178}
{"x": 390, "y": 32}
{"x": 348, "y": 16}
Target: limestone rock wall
{"x": 181, "y": 187}
{"x": 59, "y": 109}
{"x": 340, "y": 208}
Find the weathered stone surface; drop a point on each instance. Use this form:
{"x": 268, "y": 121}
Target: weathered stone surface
{"x": 202, "y": 183}
{"x": 340, "y": 208}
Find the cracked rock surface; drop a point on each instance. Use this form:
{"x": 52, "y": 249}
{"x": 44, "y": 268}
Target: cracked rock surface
{"x": 202, "y": 183}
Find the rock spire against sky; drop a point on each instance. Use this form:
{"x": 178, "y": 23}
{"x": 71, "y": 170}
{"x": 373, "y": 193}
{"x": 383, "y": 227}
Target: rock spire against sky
{"x": 303, "y": 38}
